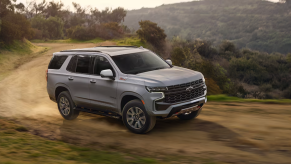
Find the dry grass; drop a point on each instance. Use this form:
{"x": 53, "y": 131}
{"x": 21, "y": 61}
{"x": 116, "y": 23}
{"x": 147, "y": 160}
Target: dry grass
{"x": 18, "y": 54}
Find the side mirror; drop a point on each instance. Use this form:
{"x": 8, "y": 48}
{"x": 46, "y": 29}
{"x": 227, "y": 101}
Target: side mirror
{"x": 169, "y": 61}
{"x": 107, "y": 73}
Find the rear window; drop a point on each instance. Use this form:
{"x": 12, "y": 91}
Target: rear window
{"x": 72, "y": 64}
{"x": 57, "y": 62}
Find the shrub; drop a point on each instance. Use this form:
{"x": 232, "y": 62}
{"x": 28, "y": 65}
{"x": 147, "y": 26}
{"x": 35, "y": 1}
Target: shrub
{"x": 14, "y": 27}
{"x": 152, "y": 33}
{"x": 51, "y": 28}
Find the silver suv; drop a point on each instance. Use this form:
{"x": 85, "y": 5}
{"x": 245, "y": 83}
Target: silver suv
{"x": 129, "y": 83}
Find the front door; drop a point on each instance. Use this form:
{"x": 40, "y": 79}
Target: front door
{"x": 102, "y": 90}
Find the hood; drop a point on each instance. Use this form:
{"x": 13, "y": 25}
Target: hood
{"x": 170, "y": 76}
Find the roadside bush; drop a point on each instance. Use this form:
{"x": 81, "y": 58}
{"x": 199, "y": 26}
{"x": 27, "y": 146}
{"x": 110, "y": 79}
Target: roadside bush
{"x": 79, "y": 32}
{"x": 51, "y": 28}
{"x": 14, "y": 27}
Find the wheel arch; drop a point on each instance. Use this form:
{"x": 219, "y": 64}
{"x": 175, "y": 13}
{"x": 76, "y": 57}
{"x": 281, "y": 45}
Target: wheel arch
{"x": 60, "y": 88}
{"x": 126, "y": 97}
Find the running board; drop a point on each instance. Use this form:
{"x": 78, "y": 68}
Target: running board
{"x": 101, "y": 113}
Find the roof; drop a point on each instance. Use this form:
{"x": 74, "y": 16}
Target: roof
{"x": 110, "y": 50}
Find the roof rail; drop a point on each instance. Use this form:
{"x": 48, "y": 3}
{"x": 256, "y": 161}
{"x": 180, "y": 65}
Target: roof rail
{"x": 118, "y": 46}
{"x": 80, "y": 50}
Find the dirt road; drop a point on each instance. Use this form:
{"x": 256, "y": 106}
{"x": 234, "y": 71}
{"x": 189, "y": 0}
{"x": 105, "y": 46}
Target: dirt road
{"x": 226, "y": 132}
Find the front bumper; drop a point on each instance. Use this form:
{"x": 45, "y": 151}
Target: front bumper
{"x": 171, "y": 109}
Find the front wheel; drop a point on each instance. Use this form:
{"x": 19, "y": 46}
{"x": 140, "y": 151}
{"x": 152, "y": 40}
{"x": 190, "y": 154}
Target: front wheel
{"x": 189, "y": 116}
{"x": 136, "y": 118}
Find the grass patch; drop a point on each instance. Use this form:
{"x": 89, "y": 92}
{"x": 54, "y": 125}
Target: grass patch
{"x": 225, "y": 98}
{"x": 132, "y": 41}
{"x": 16, "y": 54}
{"x": 23, "y": 147}
{"x": 20, "y": 147}
{"x": 96, "y": 40}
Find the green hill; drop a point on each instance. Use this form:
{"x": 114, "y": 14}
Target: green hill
{"x": 256, "y": 24}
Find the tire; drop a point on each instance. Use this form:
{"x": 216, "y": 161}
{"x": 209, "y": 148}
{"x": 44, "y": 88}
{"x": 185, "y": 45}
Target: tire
{"x": 190, "y": 116}
{"x": 67, "y": 106}
{"x": 141, "y": 123}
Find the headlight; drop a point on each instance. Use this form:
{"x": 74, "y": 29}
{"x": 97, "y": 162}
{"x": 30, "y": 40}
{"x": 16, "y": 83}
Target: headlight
{"x": 156, "y": 89}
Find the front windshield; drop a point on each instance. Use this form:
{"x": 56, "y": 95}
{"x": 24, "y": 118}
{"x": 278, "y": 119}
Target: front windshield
{"x": 140, "y": 62}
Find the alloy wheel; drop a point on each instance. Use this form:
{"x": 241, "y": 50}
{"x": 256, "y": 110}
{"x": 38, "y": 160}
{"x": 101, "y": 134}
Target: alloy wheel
{"x": 136, "y": 117}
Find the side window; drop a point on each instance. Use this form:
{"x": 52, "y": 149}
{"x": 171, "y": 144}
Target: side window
{"x": 57, "y": 62}
{"x": 72, "y": 64}
{"x": 83, "y": 64}
{"x": 101, "y": 63}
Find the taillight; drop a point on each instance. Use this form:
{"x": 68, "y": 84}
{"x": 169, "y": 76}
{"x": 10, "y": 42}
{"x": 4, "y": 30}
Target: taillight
{"x": 46, "y": 74}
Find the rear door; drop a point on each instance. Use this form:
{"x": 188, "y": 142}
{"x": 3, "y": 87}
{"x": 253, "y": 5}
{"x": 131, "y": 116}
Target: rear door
{"x": 102, "y": 90}
{"x": 79, "y": 79}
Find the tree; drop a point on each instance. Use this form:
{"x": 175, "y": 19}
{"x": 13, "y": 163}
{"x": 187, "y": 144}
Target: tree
{"x": 53, "y": 9}
{"x": 286, "y": 1}
{"x": 14, "y": 27}
{"x": 51, "y": 28}
{"x": 39, "y": 8}
{"x": 117, "y": 15}
{"x": 227, "y": 50}
{"x": 152, "y": 33}
{"x": 7, "y": 6}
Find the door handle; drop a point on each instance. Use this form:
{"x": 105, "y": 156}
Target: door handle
{"x": 70, "y": 78}
{"x": 92, "y": 81}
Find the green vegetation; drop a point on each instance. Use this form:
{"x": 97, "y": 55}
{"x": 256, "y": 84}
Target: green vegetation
{"x": 241, "y": 73}
{"x": 19, "y": 146}
{"x": 50, "y": 21}
{"x": 255, "y": 24}
{"x": 16, "y": 54}
{"x": 151, "y": 33}
{"x": 96, "y": 40}
{"x": 132, "y": 41}
{"x": 14, "y": 26}
{"x": 225, "y": 98}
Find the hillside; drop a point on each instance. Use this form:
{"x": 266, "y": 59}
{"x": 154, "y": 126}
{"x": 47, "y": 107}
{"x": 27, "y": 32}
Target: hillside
{"x": 255, "y": 24}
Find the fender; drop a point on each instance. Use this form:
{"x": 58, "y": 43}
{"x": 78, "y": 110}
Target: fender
{"x": 127, "y": 93}
{"x": 62, "y": 85}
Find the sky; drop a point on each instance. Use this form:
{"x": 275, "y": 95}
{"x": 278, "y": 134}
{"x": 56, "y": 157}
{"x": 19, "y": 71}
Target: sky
{"x": 127, "y": 4}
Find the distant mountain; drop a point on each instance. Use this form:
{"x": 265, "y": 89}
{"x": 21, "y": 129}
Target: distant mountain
{"x": 255, "y": 24}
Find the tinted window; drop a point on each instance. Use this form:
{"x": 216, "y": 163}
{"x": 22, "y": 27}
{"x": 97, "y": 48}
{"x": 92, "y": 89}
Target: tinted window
{"x": 72, "y": 64}
{"x": 101, "y": 63}
{"x": 139, "y": 62}
{"x": 83, "y": 64}
{"x": 57, "y": 62}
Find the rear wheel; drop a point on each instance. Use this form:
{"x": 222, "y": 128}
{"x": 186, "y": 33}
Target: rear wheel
{"x": 136, "y": 118}
{"x": 189, "y": 116}
{"x": 66, "y": 106}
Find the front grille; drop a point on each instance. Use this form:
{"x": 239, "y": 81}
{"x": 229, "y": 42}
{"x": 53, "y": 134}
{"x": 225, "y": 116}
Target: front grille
{"x": 178, "y": 93}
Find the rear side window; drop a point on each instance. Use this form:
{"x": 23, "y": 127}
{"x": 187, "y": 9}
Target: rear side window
{"x": 57, "y": 62}
{"x": 83, "y": 64}
{"x": 72, "y": 64}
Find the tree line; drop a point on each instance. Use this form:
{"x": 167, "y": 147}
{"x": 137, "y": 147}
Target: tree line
{"x": 229, "y": 70}
{"x": 255, "y": 24}
{"x": 51, "y": 20}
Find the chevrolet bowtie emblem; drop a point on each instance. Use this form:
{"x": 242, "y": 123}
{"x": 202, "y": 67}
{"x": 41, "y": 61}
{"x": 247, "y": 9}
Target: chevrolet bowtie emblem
{"x": 189, "y": 89}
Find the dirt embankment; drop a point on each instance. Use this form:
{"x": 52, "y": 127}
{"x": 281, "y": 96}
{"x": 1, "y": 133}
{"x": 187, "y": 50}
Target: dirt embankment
{"x": 233, "y": 132}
